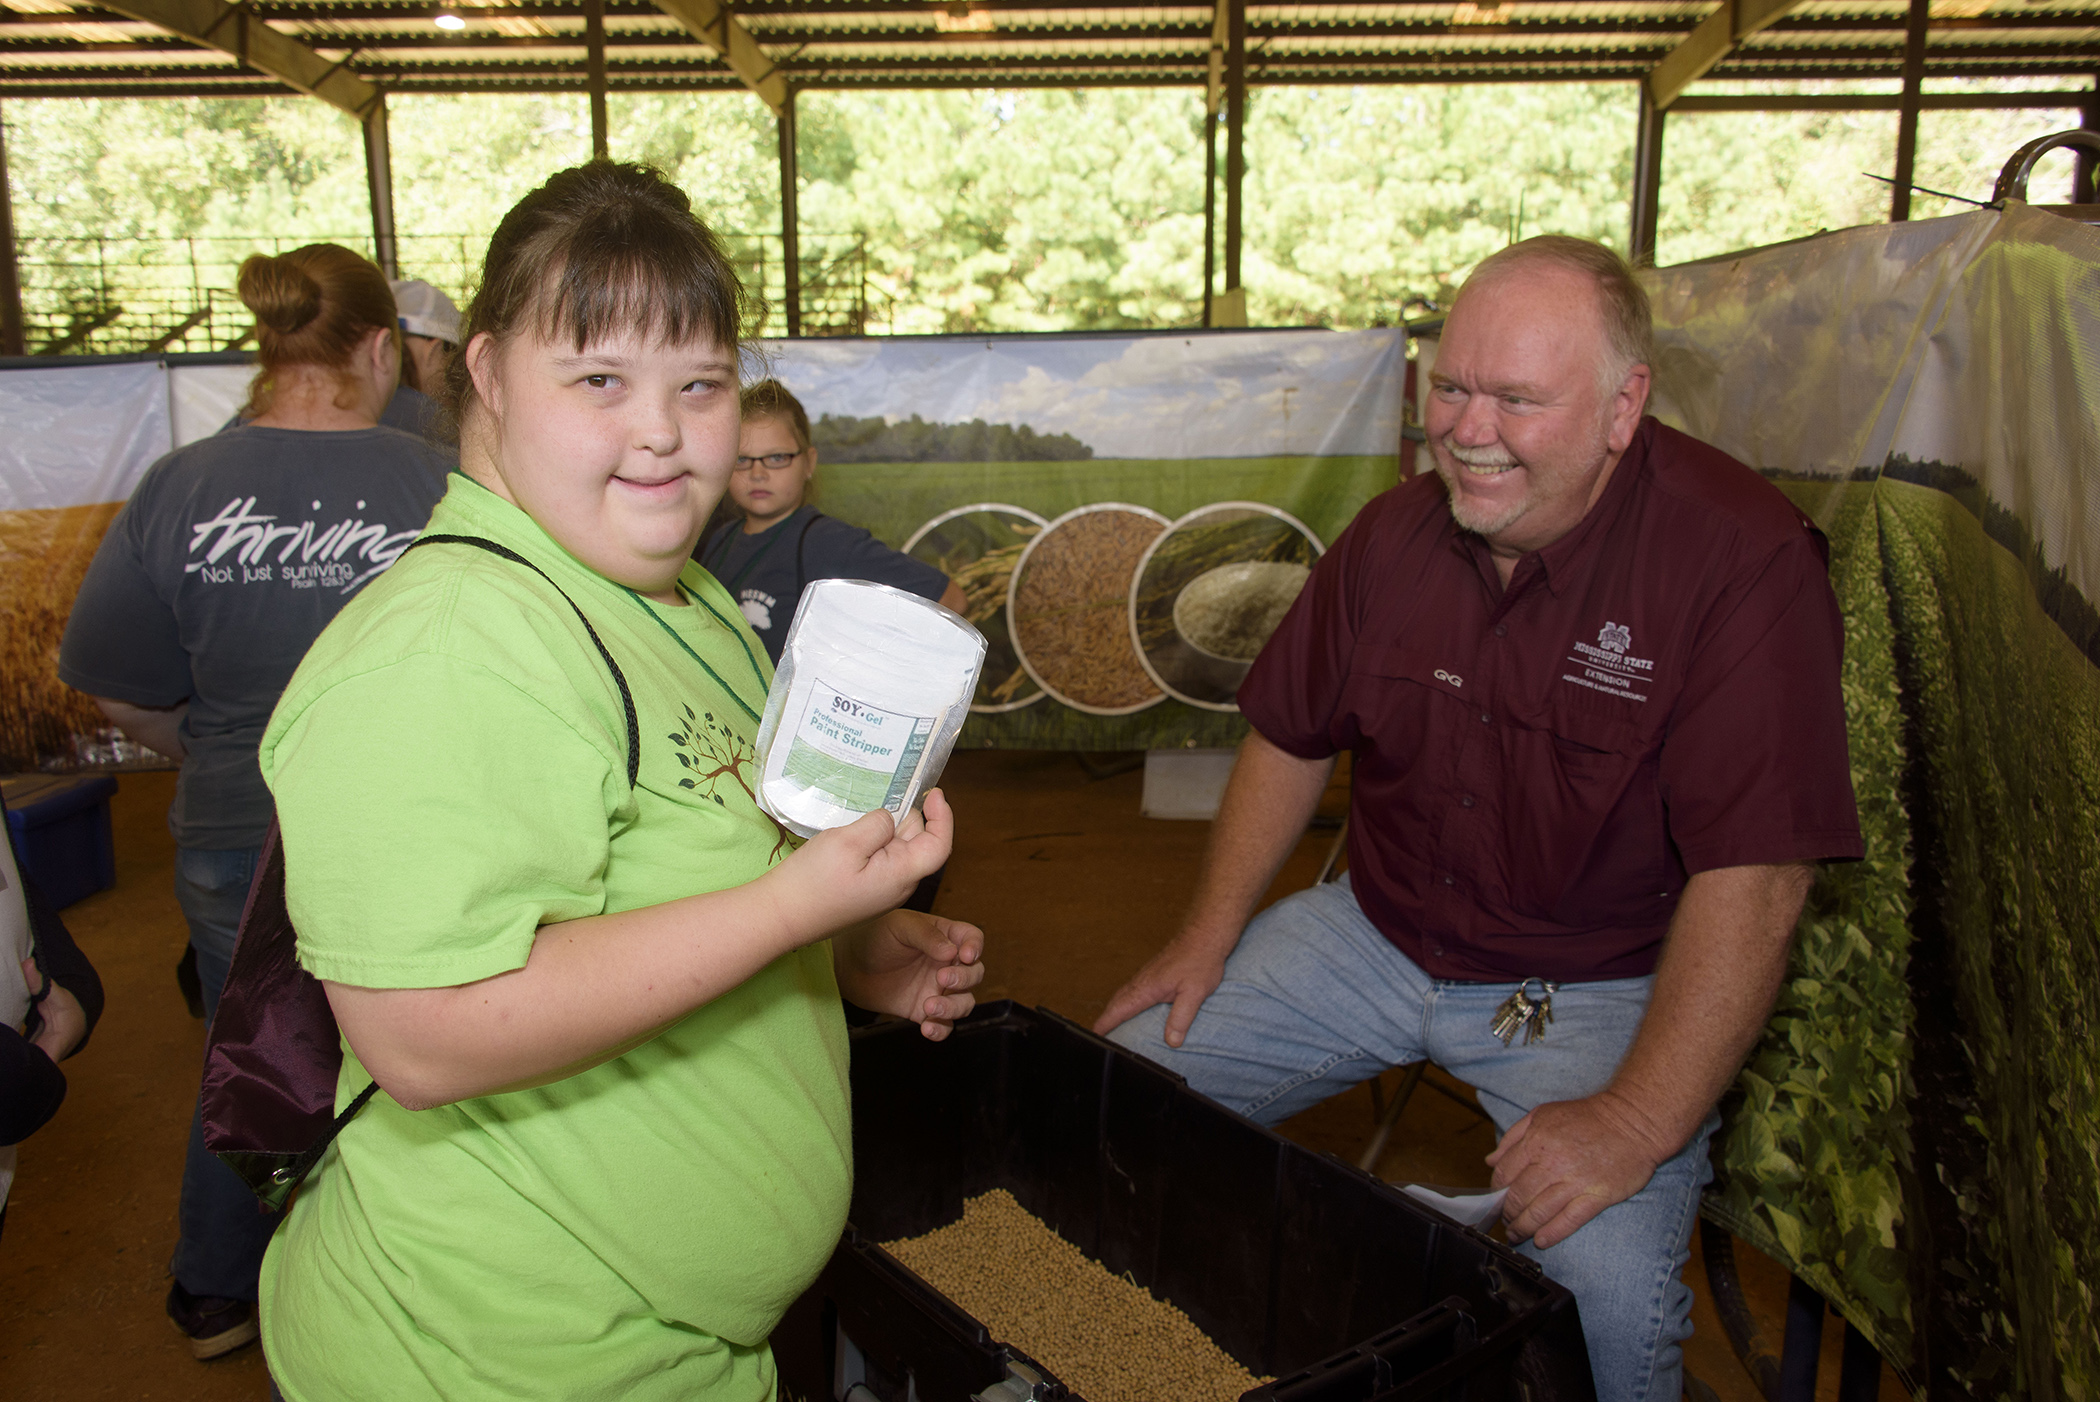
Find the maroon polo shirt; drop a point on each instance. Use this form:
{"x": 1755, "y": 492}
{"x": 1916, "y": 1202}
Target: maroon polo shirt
{"x": 1538, "y": 769}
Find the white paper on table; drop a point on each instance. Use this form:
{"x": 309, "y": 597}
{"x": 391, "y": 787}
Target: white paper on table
{"x": 1473, "y": 1209}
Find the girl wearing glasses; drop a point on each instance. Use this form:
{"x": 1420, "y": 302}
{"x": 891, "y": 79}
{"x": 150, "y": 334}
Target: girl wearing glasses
{"x": 782, "y": 543}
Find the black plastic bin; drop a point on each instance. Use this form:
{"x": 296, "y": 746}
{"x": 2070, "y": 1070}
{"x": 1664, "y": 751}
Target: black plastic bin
{"x": 1298, "y": 1265}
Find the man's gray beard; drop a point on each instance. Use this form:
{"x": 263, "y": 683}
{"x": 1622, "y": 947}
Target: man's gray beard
{"x": 1470, "y": 518}
{"x": 1481, "y": 523}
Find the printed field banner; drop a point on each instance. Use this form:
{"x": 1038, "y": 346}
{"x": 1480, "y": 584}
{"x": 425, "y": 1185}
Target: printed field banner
{"x": 912, "y": 428}
{"x": 1304, "y": 425}
{"x": 1916, "y": 1135}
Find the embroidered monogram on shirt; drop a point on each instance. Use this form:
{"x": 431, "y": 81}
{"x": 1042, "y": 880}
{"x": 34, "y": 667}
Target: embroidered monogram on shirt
{"x": 1607, "y": 666}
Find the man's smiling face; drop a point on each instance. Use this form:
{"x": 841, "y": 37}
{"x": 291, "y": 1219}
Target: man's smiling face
{"x": 1521, "y": 425}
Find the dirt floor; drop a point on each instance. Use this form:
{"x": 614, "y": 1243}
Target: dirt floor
{"x": 1074, "y": 888}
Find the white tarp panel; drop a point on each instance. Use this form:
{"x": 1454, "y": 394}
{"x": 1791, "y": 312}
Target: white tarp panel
{"x": 76, "y": 435}
{"x": 1969, "y": 340}
{"x": 203, "y": 397}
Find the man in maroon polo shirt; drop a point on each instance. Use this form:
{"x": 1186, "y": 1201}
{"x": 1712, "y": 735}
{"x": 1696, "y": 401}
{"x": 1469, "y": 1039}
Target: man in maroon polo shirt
{"x": 1588, "y": 672}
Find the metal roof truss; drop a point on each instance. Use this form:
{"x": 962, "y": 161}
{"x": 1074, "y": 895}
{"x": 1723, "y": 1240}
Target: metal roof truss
{"x": 58, "y": 48}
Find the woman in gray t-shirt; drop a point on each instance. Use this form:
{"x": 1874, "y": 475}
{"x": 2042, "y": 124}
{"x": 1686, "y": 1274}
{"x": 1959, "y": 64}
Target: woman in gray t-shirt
{"x": 231, "y": 556}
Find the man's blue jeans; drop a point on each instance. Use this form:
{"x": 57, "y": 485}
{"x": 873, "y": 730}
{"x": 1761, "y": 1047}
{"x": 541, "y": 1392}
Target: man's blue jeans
{"x": 224, "y": 1233}
{"x": 1315, "y": 1000}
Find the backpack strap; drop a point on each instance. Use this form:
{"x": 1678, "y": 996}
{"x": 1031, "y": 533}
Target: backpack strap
{"x": 801, "y": 543}
{"x": 634, "y": 741}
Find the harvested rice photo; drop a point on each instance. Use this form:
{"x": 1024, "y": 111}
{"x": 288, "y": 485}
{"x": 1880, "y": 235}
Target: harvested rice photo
{"x": 1068, "y": 608}
{"x": 1210, "y": 592}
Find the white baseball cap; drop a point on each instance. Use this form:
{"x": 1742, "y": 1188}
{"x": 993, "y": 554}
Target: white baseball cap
{"x": 425, "y": 311}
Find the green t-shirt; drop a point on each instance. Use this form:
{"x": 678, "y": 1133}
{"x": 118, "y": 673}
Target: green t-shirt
{"x": 450, "y": 770}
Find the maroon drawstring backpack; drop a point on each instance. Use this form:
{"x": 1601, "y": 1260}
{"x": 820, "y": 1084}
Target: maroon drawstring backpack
{"x": 274, "y": 1054}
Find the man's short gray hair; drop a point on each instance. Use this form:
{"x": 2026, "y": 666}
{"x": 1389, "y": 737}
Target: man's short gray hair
{"x": 1629, "y": 328}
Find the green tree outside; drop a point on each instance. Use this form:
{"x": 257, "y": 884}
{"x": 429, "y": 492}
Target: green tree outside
{"x": 1031, "y": 210}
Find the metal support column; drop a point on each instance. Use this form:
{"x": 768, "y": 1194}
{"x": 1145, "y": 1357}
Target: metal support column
{"x": 1907, "y": 118}
{"x": 12, "y": 338}
{"x": 1235, "y": 137}
{"x": 1210, "y": 209}
{"x": 594, "y": 63}
{"x": 379, "y": 181}
{"x": 1802, "y": 1353}
{"x": 1213, "y": 104}
{"x": 1647, "y": 179}
{"x": 790, "y": 232}
{"x": 2082, "y": 188}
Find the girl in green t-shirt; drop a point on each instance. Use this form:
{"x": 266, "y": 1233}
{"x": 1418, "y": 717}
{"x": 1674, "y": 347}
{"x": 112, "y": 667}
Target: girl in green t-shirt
{"x": 597, "y": 986}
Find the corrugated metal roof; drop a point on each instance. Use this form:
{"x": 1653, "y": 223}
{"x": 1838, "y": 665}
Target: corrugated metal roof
{"x": 520, "y": 44}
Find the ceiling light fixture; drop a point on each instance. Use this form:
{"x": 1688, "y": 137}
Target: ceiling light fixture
{"x": 449, "y": 23}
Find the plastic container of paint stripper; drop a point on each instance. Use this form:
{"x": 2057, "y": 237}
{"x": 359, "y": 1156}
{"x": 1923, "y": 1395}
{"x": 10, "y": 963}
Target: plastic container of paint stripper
{"x": 873, "y": 686}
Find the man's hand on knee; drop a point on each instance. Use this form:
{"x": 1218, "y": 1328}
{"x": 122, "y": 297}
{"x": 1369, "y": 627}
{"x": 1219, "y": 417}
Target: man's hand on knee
{"x": 1568, "y": 1160}
{"x": 1182, "y": 974}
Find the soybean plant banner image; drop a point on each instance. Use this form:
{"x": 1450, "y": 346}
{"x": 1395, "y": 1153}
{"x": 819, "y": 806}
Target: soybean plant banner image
{"x": 1915, "y": 1135}
{"x": 1097, "y": 443}
{"x": 78, "y": 435}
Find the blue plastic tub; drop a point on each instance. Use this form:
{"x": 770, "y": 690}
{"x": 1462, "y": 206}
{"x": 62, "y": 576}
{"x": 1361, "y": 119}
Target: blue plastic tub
{"x": 61, "y": 828}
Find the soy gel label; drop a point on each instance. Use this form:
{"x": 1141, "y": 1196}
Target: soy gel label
{"x": 857, "y": 755}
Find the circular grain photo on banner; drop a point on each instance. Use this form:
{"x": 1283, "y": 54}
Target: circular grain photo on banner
{"x": 1209, "y": 591}
{"x": 977, "y": 547}
{"x": 1068, "y": 608}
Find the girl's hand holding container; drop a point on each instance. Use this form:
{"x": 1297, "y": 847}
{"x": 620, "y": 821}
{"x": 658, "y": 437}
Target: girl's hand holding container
{"x": 901, "y": 962}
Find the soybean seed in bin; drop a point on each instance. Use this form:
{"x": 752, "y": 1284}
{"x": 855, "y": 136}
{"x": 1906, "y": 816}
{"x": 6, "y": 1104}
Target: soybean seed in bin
{"x": 1292, "y": 1263}
{"x": 1104, "y": 1337}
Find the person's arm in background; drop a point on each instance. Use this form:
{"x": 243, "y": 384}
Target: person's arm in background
{"x": 1268, "y": 802}
{"x": 158, "y": 728}
{"x": 31, "y": 1085}
{"x": 836, "y": 549}
{"x": 1722, "y": 963}
{"x": 68, "y": 1012}
{"x": 122, "y": 644}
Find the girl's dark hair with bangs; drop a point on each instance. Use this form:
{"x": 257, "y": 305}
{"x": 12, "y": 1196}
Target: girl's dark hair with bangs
{"x": 602, "y": 249}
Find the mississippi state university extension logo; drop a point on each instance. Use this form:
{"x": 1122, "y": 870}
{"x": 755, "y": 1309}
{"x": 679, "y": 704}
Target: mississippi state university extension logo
{"x": 1607, "y": 666}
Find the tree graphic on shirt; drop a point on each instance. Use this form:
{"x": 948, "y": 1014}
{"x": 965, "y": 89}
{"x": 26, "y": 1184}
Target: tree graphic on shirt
{"x": 712, "y": 753}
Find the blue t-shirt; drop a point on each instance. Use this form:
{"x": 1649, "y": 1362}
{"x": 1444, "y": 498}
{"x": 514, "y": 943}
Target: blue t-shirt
{"x": 765, "y": 573}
